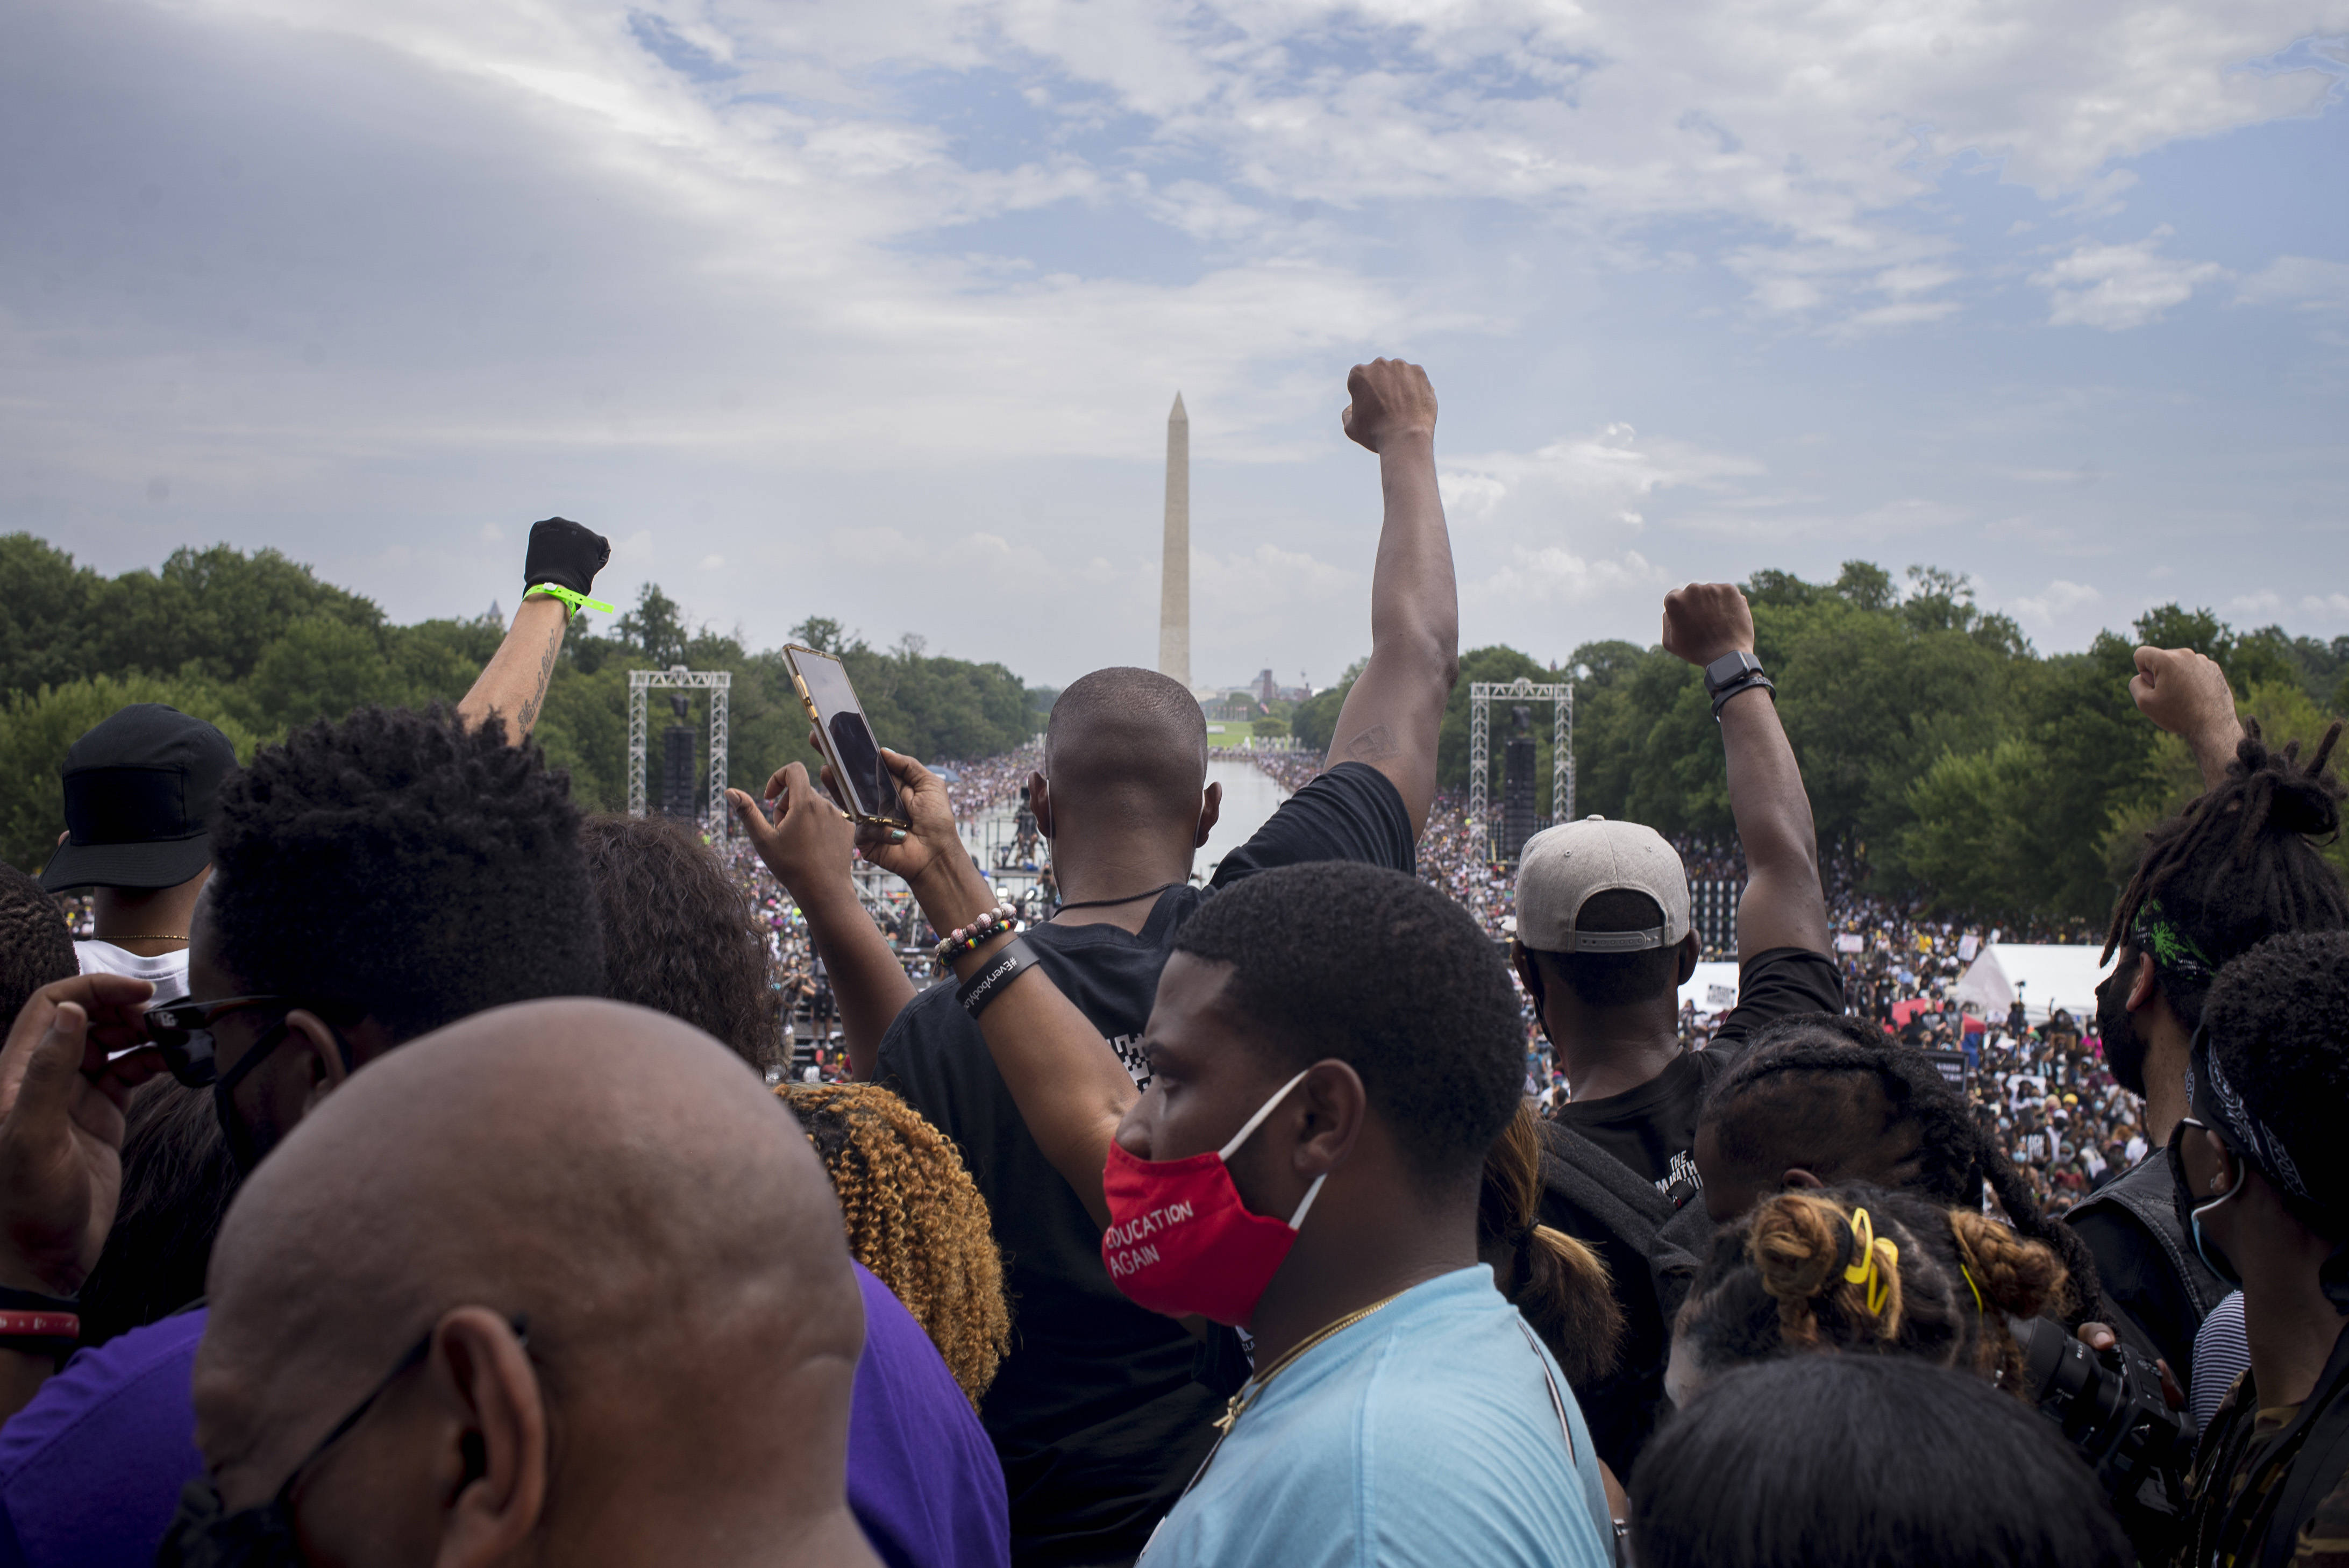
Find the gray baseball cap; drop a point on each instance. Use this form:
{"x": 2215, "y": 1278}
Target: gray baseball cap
{"x": 1561, "y": 867}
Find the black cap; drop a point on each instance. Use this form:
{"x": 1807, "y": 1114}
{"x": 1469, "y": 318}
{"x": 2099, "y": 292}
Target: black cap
{"x": 139, "y": 789}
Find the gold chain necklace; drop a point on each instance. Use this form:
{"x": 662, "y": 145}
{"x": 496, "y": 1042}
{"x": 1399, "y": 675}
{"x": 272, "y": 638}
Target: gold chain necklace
{"x": 156, "y": 937}
{"x": 1253, "y": 1389}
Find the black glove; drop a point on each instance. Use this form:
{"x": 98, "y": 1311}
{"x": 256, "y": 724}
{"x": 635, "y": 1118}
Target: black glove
{"x": 564, "y": 553}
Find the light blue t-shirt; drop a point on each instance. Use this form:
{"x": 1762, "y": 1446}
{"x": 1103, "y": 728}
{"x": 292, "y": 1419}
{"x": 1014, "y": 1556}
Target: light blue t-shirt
{"x": 1423, "y": 1434}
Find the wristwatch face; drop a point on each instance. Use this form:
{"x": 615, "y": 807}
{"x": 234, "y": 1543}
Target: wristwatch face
{"x": 1729, "y": 667}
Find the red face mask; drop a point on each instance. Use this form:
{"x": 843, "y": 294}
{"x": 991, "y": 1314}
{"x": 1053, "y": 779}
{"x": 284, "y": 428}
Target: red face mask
{"x": 1179, "y": 1239}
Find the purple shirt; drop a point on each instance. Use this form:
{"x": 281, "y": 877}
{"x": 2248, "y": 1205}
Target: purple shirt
{"x": 90, "y": 1471}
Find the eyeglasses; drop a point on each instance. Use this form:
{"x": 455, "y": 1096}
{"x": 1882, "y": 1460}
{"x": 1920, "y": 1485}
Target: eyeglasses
{"x": 181, "y": 1034}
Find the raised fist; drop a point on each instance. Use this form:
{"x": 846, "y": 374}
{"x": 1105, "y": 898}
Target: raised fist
{"x": 564, "y": 553}
{"x": 1707, "y": 620}
{"x": 1391, "y": 401}
{"x": 2184, "y": 692}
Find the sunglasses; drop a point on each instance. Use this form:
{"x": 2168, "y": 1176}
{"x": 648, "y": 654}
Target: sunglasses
{"x": 181, "y": 1034}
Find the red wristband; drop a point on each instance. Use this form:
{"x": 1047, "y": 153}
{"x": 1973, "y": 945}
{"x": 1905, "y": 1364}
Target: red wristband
{"x": 39, "y": 1326}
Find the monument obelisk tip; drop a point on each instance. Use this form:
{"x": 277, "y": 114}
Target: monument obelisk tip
{"x": 1174, "y": 564}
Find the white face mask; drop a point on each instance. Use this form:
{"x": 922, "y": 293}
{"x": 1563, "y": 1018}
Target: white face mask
{"x": 1682, "y": 1382}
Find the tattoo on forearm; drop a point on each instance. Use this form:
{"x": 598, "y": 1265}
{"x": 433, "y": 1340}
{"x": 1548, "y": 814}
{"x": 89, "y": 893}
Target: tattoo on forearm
{"x": 529, "y": 715}
{"x": 1373, "y": 745}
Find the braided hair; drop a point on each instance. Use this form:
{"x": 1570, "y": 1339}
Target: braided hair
{"x": 1936, "y": 1283}
{"x": 913, "y": 1218}
{"x": 1839, "y": 1098}
{"x": 1560, "y": 1285}
{"x": 2237, "y": 865}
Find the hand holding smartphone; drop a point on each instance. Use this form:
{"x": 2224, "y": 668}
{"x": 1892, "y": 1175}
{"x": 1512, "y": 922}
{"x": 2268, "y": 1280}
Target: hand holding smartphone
{"x": 861, "y": 786}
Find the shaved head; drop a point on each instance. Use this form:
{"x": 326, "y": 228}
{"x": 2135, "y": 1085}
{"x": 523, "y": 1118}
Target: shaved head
{"x": 1128, "y": 741}
{"x": 608, "y": 1176}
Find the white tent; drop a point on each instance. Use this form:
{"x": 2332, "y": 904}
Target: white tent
{"x": 2047, "y": 975}
{"x": 1713, "y": 988}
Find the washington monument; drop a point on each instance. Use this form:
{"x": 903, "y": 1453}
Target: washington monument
{"x": 1174, "y": 571}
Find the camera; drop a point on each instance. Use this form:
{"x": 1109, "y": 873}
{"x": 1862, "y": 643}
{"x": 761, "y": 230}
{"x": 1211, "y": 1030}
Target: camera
{"x": 2109, "y": 1406}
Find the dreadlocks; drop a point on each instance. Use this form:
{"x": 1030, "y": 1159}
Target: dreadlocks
{"x": 1834, "y": 1096}
{"x": 2234, "y": 868}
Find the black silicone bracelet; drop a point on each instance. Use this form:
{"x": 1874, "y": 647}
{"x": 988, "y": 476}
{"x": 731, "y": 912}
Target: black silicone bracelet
{"x": 1000, "y": 969}
{"x": 1756, "y": 679}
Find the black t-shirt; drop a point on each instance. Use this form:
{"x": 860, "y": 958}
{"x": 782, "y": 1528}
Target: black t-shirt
{"x": 1652, "y": 1127}
{"x": 1096, "y": 1413}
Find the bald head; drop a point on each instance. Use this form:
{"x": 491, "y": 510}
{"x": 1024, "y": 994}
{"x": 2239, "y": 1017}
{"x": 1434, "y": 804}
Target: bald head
{"x": 608, "y": 1176}
{"x": 1127, "y": 740}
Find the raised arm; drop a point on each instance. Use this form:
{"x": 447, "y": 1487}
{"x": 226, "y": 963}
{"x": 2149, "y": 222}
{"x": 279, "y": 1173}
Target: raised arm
{"x": 1068, "y": 1083}
{"x": 1783, "y": 905}
{"x": 557, "y": 574}
{"x": 2187, "y": 694}
{"x": 809, "y": 848}
{"x": 1390, "y": 717}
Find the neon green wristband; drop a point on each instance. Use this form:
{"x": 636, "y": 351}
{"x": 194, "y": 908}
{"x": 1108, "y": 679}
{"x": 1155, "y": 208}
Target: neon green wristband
{"x": 577, "y": 601}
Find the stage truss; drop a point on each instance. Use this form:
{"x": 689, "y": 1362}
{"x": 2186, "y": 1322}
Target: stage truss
{"x": 1560, "y": 697}
{"x": 717, "y": 683}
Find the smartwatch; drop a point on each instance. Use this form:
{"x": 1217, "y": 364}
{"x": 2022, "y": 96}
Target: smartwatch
{"x": 1732, "y": 673}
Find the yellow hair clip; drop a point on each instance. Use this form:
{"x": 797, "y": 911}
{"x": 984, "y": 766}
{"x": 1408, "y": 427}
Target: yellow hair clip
{"x": 1866, "y": 1272}
{"x": 1979, "y": 1310}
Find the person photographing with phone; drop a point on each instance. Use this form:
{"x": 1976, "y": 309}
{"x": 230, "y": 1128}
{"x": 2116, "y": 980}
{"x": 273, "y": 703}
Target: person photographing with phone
{"x": 1332, "y": 1048}
{"x": 1099, "y": 1413}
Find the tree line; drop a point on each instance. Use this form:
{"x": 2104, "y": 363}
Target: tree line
{"x": 1945, "y": 758}
{"x": 258, "y": 645}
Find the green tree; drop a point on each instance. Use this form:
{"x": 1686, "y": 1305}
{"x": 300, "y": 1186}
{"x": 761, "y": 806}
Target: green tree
{"x": 654, "y": 628}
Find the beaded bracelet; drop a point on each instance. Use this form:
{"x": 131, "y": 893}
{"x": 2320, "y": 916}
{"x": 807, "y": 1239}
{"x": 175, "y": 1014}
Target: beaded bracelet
{"x": 994, "y": 922}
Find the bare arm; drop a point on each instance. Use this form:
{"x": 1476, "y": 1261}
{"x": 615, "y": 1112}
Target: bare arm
{"x": 809, "y": 850}
{"x": 2187, "y": 694}
{"x": 1783, "y": 905}
{"x": 513, "y": 686}
{"x": 1390, "y": 717}
{"x": 1068, "y": 1083}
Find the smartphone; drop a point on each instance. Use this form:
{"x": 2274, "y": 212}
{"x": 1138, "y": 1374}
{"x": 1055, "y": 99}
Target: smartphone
{"x": 863, "y": 788}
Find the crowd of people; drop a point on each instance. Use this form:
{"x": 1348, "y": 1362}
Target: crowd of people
{"x": 399, "y": 1165}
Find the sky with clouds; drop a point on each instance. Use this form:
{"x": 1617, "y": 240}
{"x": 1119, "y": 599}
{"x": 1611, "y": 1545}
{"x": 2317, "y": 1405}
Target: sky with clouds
{"x": 876, "y": 311}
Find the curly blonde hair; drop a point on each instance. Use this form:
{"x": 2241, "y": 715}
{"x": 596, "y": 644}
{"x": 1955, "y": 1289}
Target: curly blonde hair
{"x": 914, "y": 1219}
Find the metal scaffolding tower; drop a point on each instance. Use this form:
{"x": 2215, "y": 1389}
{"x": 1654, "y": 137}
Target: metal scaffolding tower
{"x": 717, "y": 683}
{"x": 1560, "y": 697}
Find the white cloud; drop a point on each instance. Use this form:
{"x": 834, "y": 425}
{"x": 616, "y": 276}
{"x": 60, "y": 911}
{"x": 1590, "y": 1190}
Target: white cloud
{"x": 2306, "y": 281}
{"x": 2117, "y": 288}
{"x": 883, "y": 305}
{"x": 1553, "y": 575}
{"x": 2060, "y": 602}
{"x": 1603, "y": 478}
{"x": 2328, "y": 606}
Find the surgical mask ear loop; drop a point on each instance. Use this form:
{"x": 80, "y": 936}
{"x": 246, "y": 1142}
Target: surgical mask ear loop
{"x": 1252, "y": 1123}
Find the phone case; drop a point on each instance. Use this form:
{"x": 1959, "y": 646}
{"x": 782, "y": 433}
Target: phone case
{"x": 823, "y": 744}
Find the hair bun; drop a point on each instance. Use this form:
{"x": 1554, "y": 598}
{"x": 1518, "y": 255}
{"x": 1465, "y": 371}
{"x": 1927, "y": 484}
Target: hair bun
{"x": 1797, "y": 1245}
